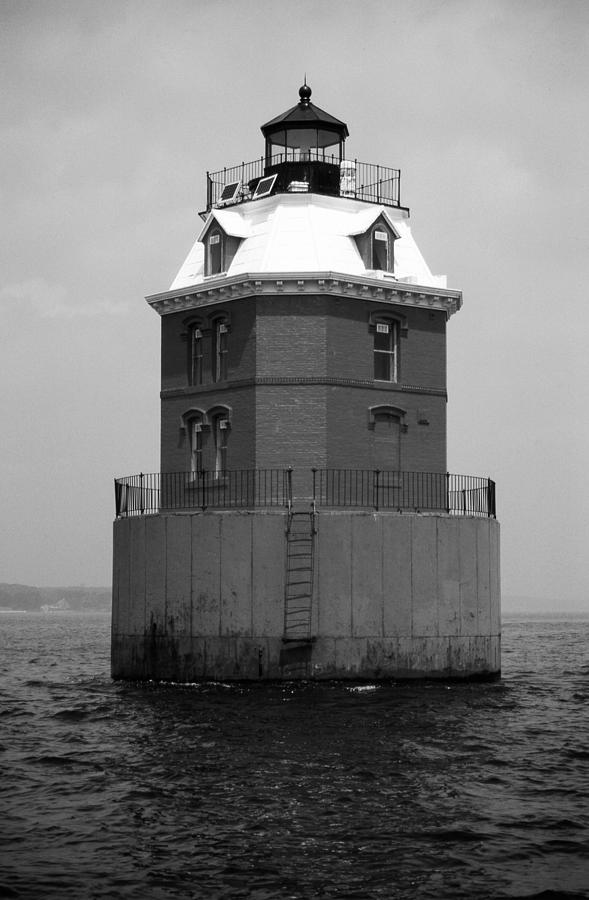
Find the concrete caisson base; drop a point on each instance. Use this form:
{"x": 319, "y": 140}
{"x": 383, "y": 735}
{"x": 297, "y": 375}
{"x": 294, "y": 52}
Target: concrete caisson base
{"x": 200, "y": 596}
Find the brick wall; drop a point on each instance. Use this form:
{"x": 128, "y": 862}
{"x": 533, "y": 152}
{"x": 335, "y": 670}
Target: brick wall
{"x": 291, "y": 425}
{"x": 291, "y": 336}
{"x": 312, "y": 343}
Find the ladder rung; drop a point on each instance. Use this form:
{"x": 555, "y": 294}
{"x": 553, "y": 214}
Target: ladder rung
{"x": 298, "y": 597}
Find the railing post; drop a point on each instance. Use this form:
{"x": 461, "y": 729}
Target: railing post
{"x": 376, "y": 488}
{"x": 289, "y": 487}
{"x": 141, "y": 506}
{"x": 314, "y": 471}
{"x": 203, "y": 489}
{"x": 448, "y": 493}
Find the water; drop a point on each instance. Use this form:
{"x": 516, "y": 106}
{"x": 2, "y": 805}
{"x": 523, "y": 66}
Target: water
{"x": 285, "y": 791}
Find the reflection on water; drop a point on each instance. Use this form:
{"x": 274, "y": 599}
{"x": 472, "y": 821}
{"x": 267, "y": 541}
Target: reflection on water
{"x": 291, "y": 791}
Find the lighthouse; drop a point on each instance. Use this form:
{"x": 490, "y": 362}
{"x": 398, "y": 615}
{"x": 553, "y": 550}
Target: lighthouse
{"x": 304, "y": 524}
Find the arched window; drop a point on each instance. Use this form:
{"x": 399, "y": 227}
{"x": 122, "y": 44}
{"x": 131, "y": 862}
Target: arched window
{"x": 386, "y": 343}
{"x": 196, "y": 446}
{"x": 195, "y": 354}
{"x": 220, "y": 346}
{"x": 195, "y": 428}
{"x": 220, "y": 428}
{"x": 387, "y": 431}
{"x": 386, "y": 425}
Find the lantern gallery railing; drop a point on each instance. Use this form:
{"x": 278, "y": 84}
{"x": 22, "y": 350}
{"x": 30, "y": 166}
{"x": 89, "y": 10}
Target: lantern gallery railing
{"x": 434, "y": 492}
{"x": 341, "y": 178}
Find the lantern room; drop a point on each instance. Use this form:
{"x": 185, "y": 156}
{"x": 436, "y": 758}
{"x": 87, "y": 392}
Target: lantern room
{"x": 305, "y": 147}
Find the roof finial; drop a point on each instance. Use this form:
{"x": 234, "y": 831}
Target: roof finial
{"x": 305, "y": 93}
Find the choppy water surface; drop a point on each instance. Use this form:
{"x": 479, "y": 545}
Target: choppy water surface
{"x": 311, "y": 791}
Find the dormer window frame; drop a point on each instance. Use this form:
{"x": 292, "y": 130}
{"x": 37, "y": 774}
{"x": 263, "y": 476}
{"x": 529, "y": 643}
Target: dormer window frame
{"x": 215, "y": 259}
{"x": 380, "y": 240}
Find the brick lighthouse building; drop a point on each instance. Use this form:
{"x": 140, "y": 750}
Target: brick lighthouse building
{"x": 304, "y": 523}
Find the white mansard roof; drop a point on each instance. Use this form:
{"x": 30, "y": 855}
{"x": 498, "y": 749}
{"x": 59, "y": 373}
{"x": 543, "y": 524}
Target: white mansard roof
{"x": 306, "y": 233}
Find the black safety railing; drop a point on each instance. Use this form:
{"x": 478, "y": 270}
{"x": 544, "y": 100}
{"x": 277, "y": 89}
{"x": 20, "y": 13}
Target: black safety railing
{"x": 459, "y": 495}
{"x": 465, "y": 495}
{"x": 146, "y": 494}
{"x": 360, "y": 181}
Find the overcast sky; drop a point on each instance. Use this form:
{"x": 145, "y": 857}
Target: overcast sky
{"x": 111, "y": 114}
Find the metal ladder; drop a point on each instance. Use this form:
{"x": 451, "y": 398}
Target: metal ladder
{"x": 298, "y": 591}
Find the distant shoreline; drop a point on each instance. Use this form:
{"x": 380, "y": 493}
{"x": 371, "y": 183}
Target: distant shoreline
{"x": 29, "y": 598}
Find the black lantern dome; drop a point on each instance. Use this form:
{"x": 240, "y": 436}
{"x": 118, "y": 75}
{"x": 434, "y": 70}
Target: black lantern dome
{"x": 305, "y": 146}
{"x": 305, "y": 132}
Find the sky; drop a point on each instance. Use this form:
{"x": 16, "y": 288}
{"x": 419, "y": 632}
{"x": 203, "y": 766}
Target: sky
{"x": 112, "y": 112}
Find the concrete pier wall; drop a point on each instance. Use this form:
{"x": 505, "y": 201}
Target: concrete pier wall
{"x": 201, "y": 596}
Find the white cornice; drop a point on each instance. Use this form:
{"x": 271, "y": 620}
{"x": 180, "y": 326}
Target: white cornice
{"x": 221, "y": 289}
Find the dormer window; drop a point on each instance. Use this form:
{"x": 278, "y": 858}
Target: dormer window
{"x": 380, "y": 251}
{"x": 214, "y": 257}
{"x": 376, "y": 246}
{"x": 220, "y": 249}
